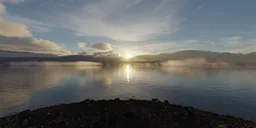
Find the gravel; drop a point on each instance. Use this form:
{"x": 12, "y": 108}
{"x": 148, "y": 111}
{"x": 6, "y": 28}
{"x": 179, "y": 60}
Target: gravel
{"x": 121, "y": 114}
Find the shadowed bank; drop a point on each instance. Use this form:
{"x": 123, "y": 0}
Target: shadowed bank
{"x": 124, "y": 114}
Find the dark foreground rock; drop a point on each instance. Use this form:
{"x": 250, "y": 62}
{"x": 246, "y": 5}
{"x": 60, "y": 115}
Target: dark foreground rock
{"x": 121, "y": 114}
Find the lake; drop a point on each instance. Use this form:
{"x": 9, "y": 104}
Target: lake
{"x": 229, "y": 91}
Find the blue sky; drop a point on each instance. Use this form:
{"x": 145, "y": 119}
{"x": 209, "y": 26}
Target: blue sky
{"x": 134, "y": 26}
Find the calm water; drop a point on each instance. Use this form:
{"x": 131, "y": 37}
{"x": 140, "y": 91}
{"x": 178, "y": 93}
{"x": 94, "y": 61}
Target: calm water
{"x": 220, "y": 90}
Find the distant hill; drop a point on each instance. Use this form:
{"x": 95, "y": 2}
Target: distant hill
{"x": 9, "y": 54}
{"x": 190, "y": 56}
{"x": 236, "y": 59}
{"x": 43, "y": 57}
{"x": 252, "y": 54}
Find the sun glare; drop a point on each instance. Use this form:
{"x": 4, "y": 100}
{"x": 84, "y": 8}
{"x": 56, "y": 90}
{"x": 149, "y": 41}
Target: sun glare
{"x": 127, "y": 56}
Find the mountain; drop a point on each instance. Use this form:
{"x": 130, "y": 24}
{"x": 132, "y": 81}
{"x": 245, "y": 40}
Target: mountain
{"x": 10, "y": 54}
{"x": 212, "y": 57}
{"x": 252, "y": 54}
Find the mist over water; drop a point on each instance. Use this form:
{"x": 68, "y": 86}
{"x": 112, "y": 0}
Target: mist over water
{"x": 221, "y": 89}
{"x": 195, "y": 62}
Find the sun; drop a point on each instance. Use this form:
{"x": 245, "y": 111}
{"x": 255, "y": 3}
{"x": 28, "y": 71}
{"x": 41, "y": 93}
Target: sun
{"x": 127, "y": 56}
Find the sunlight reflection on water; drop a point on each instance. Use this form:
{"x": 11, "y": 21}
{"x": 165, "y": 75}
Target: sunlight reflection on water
{"x": 127, "y": 69}
{"x": 213, "y": 89}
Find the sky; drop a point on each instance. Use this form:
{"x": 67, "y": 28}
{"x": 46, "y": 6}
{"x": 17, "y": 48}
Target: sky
{"x": 135, "y": 27}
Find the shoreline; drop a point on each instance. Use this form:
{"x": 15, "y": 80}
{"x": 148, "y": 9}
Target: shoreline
{"x": 122, "y": 113}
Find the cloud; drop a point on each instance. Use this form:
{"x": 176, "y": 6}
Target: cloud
{"x": 233, "y": 41}
{"x": 29, "y": 44}
{"x": 238, "y": 44}
{"x": 17, "y": 37}
{"x": 81, "y": 44}
{"x": 200, "y": 7}
{"x": 11, "y": 1}
{"x": 102, "y": 46}
{"x": 122, "y": 20}
{"x": 9, "y": 29}
{"x": 21, "y": 22}
{"x": 2, "y": 8}
{"x": 39, "y": 29}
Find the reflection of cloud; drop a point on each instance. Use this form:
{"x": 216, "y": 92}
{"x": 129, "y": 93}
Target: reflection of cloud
{"x": 35, "y": 78}
{"x": 187, "y": 72}
{"x": 19, "y": 82}
{"x": 105, "y": 76}
{"x": 13, "y": 98}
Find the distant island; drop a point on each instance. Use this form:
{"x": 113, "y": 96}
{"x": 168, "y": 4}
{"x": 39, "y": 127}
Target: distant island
{"x": 233, "y": 59}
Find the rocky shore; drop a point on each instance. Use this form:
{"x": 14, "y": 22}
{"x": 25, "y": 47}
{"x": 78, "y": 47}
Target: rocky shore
{"x": 121, "y": 114}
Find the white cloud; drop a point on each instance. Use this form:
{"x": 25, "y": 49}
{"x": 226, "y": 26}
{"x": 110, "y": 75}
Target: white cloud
{"x": 232, "y": 41}
{"x": 2, "y": 8}
{"x": 29, "y": 44}
{"x": 32, "y": 25}
{"x": 39, "y": 29}
{"x": 23, "y": 22}
{"x": 102, "y": 46}
{"x": 11, "y": 1}
{"x": 17, "y": 37}
{"x": 151, "y": 47}
{"x": 125, "y": 20}
{"x": 238, "y": 44}
{"x": 81, "y": 44}
{"x": 9, "y": 29}
{"x": 200, "y": 7}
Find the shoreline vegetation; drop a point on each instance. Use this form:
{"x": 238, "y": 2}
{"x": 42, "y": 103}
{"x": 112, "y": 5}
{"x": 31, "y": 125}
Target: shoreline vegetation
{"x": 121, "y": 114}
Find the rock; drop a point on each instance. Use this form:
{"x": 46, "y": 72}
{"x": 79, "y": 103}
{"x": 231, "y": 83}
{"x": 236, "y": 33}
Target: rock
{"x": 25, "y": 123}
{"x": 24, "y": 112}
{"x": 166, "y": 102}
{"x": 154, "y": 100}
{"x": 61, "y": 124}
{"x": 129, "y": 115}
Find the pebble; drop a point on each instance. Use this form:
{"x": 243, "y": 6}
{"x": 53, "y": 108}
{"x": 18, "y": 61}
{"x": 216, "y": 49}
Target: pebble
{"x": 25, "y": 122}
{"x": 142, "y": 113}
